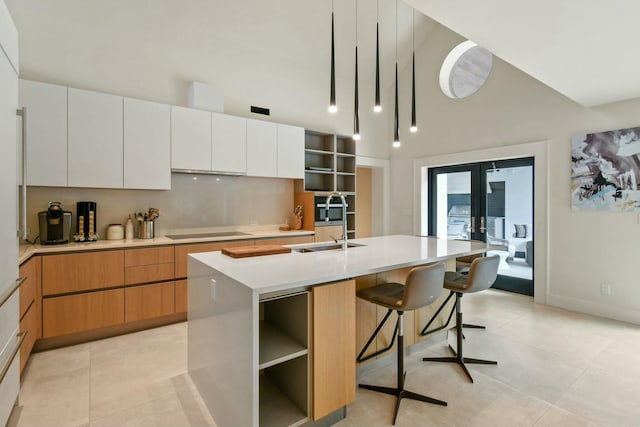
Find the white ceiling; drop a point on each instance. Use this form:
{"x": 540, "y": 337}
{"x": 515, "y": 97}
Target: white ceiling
{"x": 584, "y": 49}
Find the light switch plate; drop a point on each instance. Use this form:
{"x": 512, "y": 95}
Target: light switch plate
{"x": 213, "y": 289}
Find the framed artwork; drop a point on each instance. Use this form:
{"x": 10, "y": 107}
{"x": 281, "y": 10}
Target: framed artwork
{"x": 605, "y": 170}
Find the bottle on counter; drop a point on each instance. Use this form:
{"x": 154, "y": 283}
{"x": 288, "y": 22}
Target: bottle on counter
{"x": 128, "y": 233}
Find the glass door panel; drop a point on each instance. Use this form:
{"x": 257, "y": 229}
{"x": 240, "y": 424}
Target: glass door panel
{"x": 492, "y": 202}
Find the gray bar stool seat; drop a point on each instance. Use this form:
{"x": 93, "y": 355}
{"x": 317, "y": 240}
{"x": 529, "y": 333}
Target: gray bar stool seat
{"x": 423, "y": 286}
{"x": 482, "y": 274}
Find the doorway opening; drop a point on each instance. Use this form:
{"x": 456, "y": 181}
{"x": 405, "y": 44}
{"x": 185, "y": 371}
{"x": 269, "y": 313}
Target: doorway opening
{"x": 491, "y": 201}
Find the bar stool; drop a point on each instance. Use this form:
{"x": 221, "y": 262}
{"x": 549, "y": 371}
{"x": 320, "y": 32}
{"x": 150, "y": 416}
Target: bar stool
{"x": 482, "y": 274}
{"x": 423, "y": 286}
{"x": 463, "y": 264}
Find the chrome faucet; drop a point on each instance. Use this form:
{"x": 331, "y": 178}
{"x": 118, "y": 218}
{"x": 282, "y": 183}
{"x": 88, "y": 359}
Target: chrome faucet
{"x": 344, "y": 216}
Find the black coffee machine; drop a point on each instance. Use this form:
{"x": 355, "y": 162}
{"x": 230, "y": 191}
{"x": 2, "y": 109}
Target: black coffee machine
{"x": 55, "y": 225}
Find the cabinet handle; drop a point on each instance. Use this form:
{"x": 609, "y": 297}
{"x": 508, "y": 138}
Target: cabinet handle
{"x": 19, "y": 281}
{"x": 20, "y": 338}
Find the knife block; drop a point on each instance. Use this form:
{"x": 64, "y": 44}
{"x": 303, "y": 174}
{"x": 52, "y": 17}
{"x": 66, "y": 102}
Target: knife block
{"x": 295, "y": 222}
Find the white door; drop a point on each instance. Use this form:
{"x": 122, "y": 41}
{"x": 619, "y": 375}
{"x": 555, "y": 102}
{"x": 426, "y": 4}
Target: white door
{"x": 10, "y": 386}
{"x": 147, "y": 145}
{"x": 47, "y": 132}
{"x": 290, "y": 151}
{"x": 262, "y": 148}
{"x": 190, "y": 139}
{"x": 95, "y": 151}
{"x": 229, "y": 144}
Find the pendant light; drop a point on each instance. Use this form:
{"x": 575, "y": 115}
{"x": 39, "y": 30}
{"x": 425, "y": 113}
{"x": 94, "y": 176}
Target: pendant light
{"x": 414, "y": 126}
{"x": 377, "y": 107}
{"x": 356, "y": 115}
{"x": 396, "y": 131}
{"x": 333, "y": 108}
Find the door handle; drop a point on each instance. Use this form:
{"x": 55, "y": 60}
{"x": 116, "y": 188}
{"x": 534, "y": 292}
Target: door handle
{"x": 472, "y": 225}
{"x": 482, "y": 227}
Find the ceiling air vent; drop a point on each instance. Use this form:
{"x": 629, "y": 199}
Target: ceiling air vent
{"x": 260, "y": 110}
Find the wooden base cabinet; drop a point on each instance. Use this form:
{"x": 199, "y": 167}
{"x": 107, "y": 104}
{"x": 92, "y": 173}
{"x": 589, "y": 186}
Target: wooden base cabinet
{"x": 182, "y": 296}
{"x": 148, "y": 301}
{"x": 334, "y": 347}
{"x": 30, "y": 307}
{"x": 82, "y": 312}
{"x": 85, "y": 271}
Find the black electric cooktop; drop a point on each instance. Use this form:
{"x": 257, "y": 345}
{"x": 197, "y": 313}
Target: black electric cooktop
{"x": 200, "y": 235}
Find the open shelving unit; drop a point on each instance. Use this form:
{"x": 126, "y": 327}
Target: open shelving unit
{"x": 284, "y": 361}
{"x": 330, "y": 165}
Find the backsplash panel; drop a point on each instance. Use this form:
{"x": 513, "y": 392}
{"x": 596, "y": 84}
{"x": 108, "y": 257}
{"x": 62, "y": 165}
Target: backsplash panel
{"x": 194, "y": 201}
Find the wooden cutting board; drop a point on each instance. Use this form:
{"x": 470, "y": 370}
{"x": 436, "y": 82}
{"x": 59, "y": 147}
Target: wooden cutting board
{"x": 248, "y": 251}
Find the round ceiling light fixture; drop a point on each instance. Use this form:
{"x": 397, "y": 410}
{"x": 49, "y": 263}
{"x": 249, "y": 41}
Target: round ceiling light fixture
{"x": 465, "y": 70}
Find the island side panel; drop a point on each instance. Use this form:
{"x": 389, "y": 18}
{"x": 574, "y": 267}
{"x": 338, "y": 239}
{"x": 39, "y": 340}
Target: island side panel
{"x": 221, "y": 357}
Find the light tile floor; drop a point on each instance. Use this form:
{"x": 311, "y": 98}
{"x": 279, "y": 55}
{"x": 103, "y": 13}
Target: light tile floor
{"x": 555, "y": 368}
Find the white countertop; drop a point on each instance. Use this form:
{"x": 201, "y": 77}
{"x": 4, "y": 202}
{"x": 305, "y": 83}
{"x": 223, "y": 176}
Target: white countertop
{"x": 26, "y": 251}
{"x": 272, "y": 273}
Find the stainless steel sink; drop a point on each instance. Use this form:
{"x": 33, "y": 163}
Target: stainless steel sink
{"x": 200, "y": 235}
{"x": 326, "y": 247}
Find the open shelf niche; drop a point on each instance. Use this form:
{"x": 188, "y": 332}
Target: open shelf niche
{"x": 284, "y": 360}
{"x": 330, "y": 165}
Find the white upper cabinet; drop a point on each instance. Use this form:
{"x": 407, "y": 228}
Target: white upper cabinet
{"x": 190, "y": 139}
{"x": 262, "y": 148}
{"x": 46, "y": 142}
{"x": 229, "y": 144}
{"x": 95, "y": 149}
{"x": 147, "y": 145}
{"x": 290, "y": 151}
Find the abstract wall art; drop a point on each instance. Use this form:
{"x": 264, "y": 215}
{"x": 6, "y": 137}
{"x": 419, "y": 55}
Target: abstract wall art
{"x": 605, "y": 170}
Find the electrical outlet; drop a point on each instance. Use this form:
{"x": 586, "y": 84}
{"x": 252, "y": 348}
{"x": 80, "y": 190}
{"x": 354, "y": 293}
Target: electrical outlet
{"x": 605, "y": 289}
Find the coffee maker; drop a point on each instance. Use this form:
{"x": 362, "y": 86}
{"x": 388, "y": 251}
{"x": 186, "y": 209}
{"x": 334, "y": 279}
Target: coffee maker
{"x": 55, "y": 225}
{"x": 87, "y": 220}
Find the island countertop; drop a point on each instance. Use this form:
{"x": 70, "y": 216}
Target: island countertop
{"x": 271, "y": 273}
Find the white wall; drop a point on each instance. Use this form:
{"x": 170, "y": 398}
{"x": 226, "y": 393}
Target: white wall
{"x": 584, "y": 248}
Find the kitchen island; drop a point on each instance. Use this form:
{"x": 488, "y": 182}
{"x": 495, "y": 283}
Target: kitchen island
{"x": 272, "y": 339}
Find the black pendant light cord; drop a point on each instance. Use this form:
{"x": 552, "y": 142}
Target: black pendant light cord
{"x": 396, "y": 130}
{"x": 414, "y": 126}
{"x": 377, "y": 106}
{"x": 356, "y": 115}
{"x": 332, "y": 96}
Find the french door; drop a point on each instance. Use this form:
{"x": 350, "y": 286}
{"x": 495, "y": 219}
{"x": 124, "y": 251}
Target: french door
{"x": 491, "y": 202}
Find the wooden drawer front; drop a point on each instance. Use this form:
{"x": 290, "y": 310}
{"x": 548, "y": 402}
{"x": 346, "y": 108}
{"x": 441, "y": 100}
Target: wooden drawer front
{"x": 184, "y": 250}
{"x": 148, "y": 273}
{"x": 82, "y": 312}
{"x": 148, "y": 256}
{"x": 286, "y": 240}
{"x": 182, "y": 296}
{"x": 147, "y": 301}
{"x": 28, "y": 323}
{"x": 82, "y": 272}
{"x": 30, "y": 270}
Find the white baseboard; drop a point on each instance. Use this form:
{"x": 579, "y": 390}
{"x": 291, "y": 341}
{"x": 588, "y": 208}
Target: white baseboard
{"x": 590, "y": 307}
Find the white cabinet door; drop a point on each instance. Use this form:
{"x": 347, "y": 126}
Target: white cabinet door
{"x": 9, "y": 311}
{"x": 147, "y": 145}
{"x": 190, "y": 139}
{"x": 262, "y": 148}
{"x": 95, "y": 150}
{"x": 46, "y": 132}
{"x": 290, "y": 151}
{"x": 229, "y": 144}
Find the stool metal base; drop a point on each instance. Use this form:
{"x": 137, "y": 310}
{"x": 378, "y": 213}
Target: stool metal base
{"x": 458, "y": 357}
{"x": 460, "y": 361}
{"x": 400, "y": 393}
